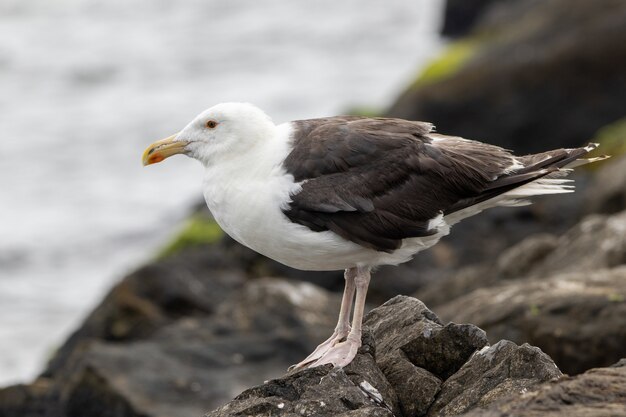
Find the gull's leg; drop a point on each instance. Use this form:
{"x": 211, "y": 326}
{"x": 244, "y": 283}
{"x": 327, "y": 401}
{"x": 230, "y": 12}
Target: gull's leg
{"x": 343, "y": 324}
{"x": 342, "y": 353}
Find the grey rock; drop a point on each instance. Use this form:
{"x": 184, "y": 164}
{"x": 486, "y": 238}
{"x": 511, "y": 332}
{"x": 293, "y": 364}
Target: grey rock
{"x": 39, "y": 398}
{"x": 577, "y": 318}
{"x": 493, "y": 373}
{"x": 192, "y": 283}
{"x": 320, "y": 391}
{"x": 190, "y": 365}
{"x": 598, "y": 392}
{"x": 461, "y": 16}
{"x": 607, "y": 193}
{"x": 383, "y": 380}
{"x": 540, "y": 256}
{"x": 415, "y": 387}
{"x": 444, "y": 350}
{"x": 596, "y": 242}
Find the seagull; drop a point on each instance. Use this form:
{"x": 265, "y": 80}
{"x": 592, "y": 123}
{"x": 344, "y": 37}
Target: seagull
{"x": 351, "y": 193}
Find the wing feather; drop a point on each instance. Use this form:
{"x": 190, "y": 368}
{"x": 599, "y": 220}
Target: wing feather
{"x": 377, "y": 181}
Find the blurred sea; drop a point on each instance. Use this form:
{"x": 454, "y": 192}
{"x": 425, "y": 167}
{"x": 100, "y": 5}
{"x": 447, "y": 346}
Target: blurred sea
{"x": 85, "y": 85}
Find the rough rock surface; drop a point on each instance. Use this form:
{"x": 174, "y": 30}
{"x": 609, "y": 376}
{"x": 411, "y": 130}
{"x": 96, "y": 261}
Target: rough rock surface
{"x": 189, "y": 365}
{"x": 409, "y": 365}
{"x": 577, "y": 318}
{"x": 192, "y": 283}
{"x": 598, "y": 392}
{"x": 566, "y": 295}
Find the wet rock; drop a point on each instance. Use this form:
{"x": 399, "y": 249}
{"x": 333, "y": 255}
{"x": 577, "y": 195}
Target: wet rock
{"x": 598, "y": 392}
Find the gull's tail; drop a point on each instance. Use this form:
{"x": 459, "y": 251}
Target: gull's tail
{"x": 531, "y": 175}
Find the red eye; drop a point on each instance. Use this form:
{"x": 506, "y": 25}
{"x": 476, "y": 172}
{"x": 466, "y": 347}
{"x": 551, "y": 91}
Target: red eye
{"x": 211, "y": 124}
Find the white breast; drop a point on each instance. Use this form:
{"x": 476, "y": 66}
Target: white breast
{"x": 247, "y": 203}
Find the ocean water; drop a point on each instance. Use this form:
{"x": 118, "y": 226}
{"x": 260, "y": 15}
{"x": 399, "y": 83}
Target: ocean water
{"x": 85, "y": 85}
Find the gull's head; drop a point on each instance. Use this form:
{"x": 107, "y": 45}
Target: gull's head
{"x": 221, "y": 131}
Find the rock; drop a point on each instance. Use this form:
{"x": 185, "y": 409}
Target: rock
{"x": 539, "y": 256}
{"x": 188, "y": 365}
{"x": 492, "y": 373}
{"x": 460, "y": 16}
{"x": 415, "y": 387}
{"x": 565, "y": 295}
{"x": 579, "y": 249}
{"x": 191, "y": 283}
{"x": 515, "y": 262}
{"x": 312, "y": 392}
{"x": 36, "y": 399}
{"x": 443, "y": 351}
{"x": 607, "y": 194}
{"x": 383, "y": 380}
{"x": 577, "y": 318}
{"x": 598, "y": 392}
{"x": 547, "y": 77}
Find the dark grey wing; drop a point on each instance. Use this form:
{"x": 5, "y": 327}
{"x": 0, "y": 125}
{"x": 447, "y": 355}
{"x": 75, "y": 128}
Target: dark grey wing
{"x": 376, "y": 181}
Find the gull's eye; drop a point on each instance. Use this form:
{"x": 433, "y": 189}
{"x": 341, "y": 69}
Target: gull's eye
{"x": 211, "y": 124}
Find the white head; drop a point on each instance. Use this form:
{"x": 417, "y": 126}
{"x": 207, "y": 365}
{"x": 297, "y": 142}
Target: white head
{"x": 221, "y": 131}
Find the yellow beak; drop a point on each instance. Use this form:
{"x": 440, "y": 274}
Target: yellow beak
{"x": 162, "y": 149}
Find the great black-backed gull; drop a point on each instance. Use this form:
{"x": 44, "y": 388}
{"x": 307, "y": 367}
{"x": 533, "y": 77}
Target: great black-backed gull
{"x": 351, "y": 193}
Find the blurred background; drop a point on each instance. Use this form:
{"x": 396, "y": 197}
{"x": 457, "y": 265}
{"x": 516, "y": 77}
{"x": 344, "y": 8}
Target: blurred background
{"x": 106, "y": 263}
{"x": 86, "y": 85}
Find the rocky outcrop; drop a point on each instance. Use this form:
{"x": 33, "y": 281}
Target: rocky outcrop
{"x": 565, "y": 294}
{"x": 597, "y": 392}
{"x": 188, "y": 333}
{"x": 186, "y": 365}
{"x": 577, "y": 318}
{"x": 409, "y": 365}
{"x": 607, "y": 193}
{"x": 548, "y": 75}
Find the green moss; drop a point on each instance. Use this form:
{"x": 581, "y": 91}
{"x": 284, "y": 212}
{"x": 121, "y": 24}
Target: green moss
{"x": 198, "y": 230}
{"x": 449, "y": 62}
{"x": 612, "y": 138}
{"x": 615, "y": 297}
{"x": 364, "y": 111}
{"x": 534, "y": 310}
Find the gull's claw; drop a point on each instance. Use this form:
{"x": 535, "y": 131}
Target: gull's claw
{"x": 322, "y": 349}
{"x": 341, "y": 354}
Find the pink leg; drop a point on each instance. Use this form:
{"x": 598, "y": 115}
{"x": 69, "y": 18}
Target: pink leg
{"x": 343, "y": 324}
{"x": 342, "y": 353}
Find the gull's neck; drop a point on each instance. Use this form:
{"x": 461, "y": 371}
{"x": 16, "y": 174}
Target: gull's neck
{"x": 262, "y": 159}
